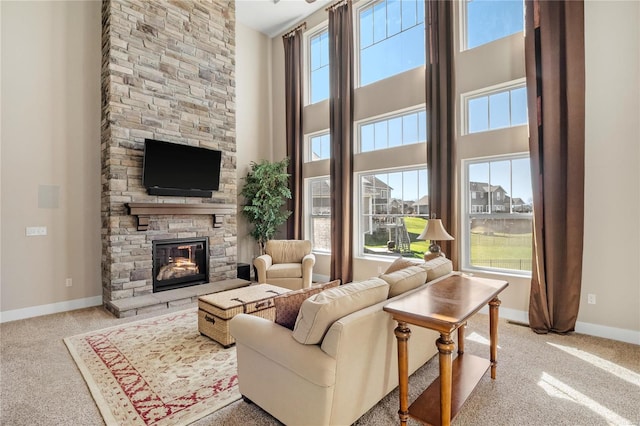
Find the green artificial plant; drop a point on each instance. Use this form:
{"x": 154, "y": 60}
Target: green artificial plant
{"x": 266, "y": 192}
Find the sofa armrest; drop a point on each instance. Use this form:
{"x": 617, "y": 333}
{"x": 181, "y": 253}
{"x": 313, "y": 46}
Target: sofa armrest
{"x": 262, "y": 263}
{"x": 275, "y": 343}
{"x": 307, "y": 269}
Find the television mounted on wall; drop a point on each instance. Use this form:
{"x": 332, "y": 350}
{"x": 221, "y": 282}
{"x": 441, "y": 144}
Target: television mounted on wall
{"x": 180, "y": 170}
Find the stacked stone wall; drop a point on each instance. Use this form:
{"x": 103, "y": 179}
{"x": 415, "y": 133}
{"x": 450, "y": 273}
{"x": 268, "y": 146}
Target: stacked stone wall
{"x": 168, "y": 73}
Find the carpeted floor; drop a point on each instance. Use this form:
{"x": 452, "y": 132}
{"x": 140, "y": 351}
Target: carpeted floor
{"x": 541, "y": 379}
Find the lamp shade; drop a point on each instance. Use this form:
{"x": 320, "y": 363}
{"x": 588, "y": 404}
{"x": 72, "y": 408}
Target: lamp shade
{"x": 434, "y": 231}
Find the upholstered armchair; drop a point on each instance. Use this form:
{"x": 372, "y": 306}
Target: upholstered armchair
{"x": 286, "y": 263}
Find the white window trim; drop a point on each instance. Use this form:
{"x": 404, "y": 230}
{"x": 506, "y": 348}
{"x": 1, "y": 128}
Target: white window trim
{"x": 307, "y": 145}
{"x": 486, "y": 91}
{"x": 465, "y": 237}
{"x": 308, "y": 207}
{"x": 462, "y": 19}
{"x": 306, "y": 66}
{"x": 357, "y": 149}
{"x": 358, "y": 237}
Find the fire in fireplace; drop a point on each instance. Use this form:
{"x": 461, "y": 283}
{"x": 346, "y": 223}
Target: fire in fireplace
{"x": 180, "y": 263}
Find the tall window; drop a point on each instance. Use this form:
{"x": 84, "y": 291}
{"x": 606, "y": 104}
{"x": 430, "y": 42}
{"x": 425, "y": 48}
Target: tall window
{"x": 319, "y": 204}
{"x": 489, "y": 20}
{"x": 319, "y": 66}
{"x": 394, "y": 207}
{"x": 319, "y": 147}
{"x": 391, "y": 132}
{"x": 498, "y": 224}
{"x": 495, "y": 109}
{"x": 391, "y": 38}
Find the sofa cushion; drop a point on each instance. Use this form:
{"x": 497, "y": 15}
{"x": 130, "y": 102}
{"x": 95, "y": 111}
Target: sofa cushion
{"x": 285, "y": 270}
{"x": 288, "y": 304}
{"x": 318, "y": 312}
{"x": 437, "y": 267}
{"x": 399, "y": 263}
{"x": 405, "y": 279}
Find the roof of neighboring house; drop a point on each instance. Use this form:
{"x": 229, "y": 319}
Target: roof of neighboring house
{"x": 484, "y": 187}
{"x": 423, "y": 201}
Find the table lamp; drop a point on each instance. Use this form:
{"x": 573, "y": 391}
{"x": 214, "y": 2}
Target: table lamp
{"x": 434, "y": 231}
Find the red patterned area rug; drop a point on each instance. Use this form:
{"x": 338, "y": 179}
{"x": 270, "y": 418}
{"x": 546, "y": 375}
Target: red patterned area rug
{"x": 158, "y": 371}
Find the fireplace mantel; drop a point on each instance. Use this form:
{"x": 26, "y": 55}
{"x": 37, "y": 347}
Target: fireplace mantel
{"x": 143, "y": 211}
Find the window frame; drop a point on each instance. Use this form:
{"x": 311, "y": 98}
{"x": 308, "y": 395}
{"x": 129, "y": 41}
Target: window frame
{"x": 309, "y": 215}
{"x": 463, "y": 19}
{"x": 417, "y": 109}
{"x": 466, "y": 214}
{"x": 308, "y": 149}
{"x": 359, "y": 214}
{"x": 308, "y": 36}
{"x": 487, "y": 92}
{"x": 357, "y": 63}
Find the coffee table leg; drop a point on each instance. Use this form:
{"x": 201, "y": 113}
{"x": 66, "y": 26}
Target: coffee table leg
{"x": 403, "y": 333}
{"x": 493, "y": 333}
{"x": 445, "y": 358}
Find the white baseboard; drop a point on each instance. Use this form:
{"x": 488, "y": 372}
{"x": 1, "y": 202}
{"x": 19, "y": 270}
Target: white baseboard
{"x": 620, "y": 334}
{"x": 52, "y": 308}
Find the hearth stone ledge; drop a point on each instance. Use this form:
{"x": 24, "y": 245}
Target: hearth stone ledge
{"x": 138, "y": 305}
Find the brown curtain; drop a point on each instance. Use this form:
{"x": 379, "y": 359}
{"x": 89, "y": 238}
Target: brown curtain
{"x": 293, "y": 104}
{"x": 440, "y": 99}
{"x": 341, "y": 128}
{"x": 554, "y": 53}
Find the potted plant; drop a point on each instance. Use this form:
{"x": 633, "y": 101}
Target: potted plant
{"x": 266, "y": 192}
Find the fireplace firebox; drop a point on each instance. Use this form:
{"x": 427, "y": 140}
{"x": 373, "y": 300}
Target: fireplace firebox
{"x": 180, "y": 263}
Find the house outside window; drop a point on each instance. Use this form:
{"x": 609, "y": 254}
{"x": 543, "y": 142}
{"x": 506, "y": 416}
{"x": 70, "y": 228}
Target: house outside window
{"x": 489, "y": 20}
{"x": 318, "y": 49}
{"x": 391, "y": 38}
{"x": 393, "y": 208}
{"x": 498, "y": 228}
{"x": 495, "y": 108}
{"x": 318, "y": 196}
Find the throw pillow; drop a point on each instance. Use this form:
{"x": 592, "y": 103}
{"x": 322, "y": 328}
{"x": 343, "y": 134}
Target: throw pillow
{"x": 405, "y": 279}
{"x": 399, "y": 263}
{"x": 288, "y": 304}
{"x": 318, "y": 312}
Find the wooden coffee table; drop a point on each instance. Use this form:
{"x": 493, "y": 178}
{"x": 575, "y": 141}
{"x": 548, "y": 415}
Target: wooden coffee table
{"x": 445, "y": 306}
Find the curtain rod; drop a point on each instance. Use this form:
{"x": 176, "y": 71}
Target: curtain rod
{"x": 336, "y": 4}
{"x": 299, "y": 27}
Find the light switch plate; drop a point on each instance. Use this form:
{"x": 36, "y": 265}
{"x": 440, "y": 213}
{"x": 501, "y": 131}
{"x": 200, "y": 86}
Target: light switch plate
{"x": 33, "y": 231}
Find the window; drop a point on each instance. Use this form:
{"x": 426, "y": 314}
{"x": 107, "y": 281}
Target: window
{"x": 395, "y": 131}
{"x": 319, "y": 204}
{"x": 489, "y": 20}
{"x": 319, "y": 67}
{"x": 319, "y": 147}
{"x": 490, "y": 110}
{"x": 498, "y": 228}
{"x": 391, "y": 38}
{"x": 393, "y": 210}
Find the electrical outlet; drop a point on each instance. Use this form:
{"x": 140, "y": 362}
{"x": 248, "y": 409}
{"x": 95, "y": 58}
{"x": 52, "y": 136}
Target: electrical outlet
{"x": 68, "y": 282}
{"x": 33, "y": 231}
{"x": 379, "y": 269}
{"x": 591, "y": 299}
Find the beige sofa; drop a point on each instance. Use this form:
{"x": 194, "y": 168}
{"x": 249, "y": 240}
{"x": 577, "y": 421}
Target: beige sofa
{"x": 339, "y": 379}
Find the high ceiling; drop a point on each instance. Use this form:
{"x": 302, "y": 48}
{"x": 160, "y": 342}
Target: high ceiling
{"x": 273, "y": 17}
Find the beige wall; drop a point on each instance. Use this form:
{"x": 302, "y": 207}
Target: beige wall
{"x": 611, "y": 267}
{"x": 50, "y": 147}
{"x": 253, "y": 117}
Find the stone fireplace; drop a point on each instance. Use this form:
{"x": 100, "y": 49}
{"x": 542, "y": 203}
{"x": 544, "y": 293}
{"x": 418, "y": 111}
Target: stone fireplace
{"x": 168, "y": 73}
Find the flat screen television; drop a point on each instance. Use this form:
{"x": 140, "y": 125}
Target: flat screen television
{"x": 181, "y": 170}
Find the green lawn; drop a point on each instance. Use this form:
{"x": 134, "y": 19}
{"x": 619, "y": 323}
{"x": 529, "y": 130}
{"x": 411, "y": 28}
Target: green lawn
{"x": 508, "y": 251}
